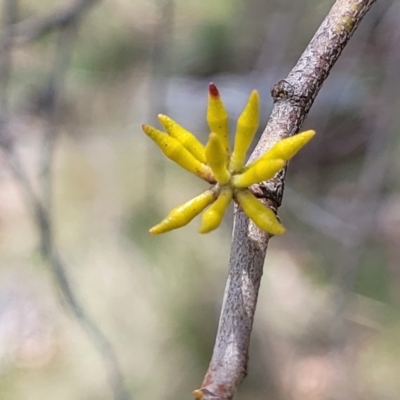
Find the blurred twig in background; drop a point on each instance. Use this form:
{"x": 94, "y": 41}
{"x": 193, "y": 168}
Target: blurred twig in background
{"x": 33, "y": 28}
{"x": 66, "y": 21}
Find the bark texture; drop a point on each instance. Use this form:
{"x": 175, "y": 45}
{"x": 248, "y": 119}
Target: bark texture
{"x": 293, "y": 98}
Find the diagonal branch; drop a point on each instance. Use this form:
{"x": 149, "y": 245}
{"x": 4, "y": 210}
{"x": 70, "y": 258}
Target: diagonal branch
{"x": 40, "y": 203}
{"x": 51, "y": 256}
{"x": 35, "y": 27}
{"x": 293, "y": 98}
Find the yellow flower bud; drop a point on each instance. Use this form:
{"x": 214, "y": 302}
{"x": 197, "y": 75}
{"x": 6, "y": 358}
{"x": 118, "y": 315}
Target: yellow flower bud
{"x": 246, "y": 128}
{"x": 183, "y": 214}
{"x": 214, "y": 164}
{"x": 216, "y": 159}
{"x": 212, "y": 217}
{"x": 175, "y": 151}
{"x": 287, "y": 148}
{"x": 262, "y": 216}
{"x": 217, "y": 117}
{"x": 261, "y": 170}
{"x": 188, "y": 140}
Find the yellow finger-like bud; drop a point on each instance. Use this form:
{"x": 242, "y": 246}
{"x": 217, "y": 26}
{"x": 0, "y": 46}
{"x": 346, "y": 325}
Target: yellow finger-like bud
{"x": 189, "y": 141}
{"x": 217, "y": 117}
{"x": 212, "y": 217}
{"x": 246, "y": 128}
{"x": 260, "y": 171}
{"x": 287, "y": 148}
{"x": 175, "y": 151}
{"x": 183, "y": 214}
{"x": 216, "y": 159}
{"x": 262, "y": 216}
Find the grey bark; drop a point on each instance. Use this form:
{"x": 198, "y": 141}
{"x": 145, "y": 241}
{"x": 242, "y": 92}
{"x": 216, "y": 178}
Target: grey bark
{"x": 293, "y": 98}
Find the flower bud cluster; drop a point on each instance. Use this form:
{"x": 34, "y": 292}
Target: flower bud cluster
{"x": 223, "y": 168}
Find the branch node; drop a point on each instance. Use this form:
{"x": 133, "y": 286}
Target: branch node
{"x": 282, "y": 90}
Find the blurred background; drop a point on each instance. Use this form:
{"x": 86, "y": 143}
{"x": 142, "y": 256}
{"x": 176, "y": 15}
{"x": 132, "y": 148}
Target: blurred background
{"x": 91, "y": 305}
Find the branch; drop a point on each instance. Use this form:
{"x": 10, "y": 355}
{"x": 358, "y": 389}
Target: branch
{"x": 40, "y": 204}
{"x": 293, "y": 98}
{"x": 50, "y": 254}
{"x": 33, "y": 28}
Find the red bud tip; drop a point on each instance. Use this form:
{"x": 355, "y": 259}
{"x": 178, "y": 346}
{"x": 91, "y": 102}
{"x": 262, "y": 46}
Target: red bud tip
{"x": 212, "y": 89}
